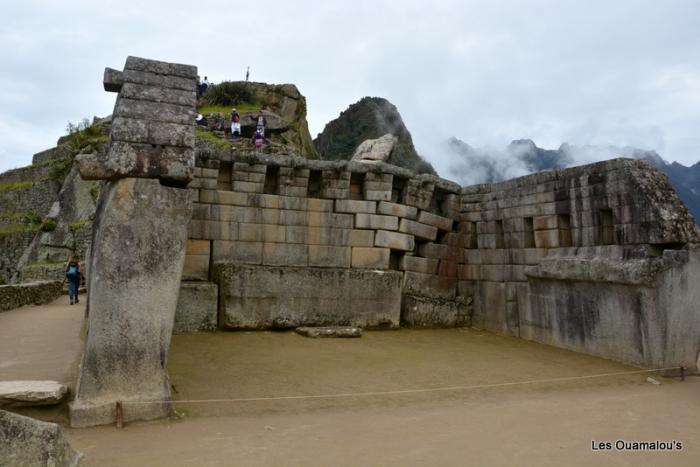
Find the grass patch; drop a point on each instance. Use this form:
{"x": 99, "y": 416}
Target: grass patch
{"x": 18, "y": 228}
{"x": 12, "y": 186}
{"x": 95, "y": 192}
{"x": 226, "y": 109}
{"x": 77, "y": 225}
{"x": 26, "y": 217}
{"x": 211, "y": 138}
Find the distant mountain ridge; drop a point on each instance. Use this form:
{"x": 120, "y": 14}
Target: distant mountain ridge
{"x": 523, "y": 156}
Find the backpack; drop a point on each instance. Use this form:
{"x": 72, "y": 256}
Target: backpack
{"x": 235, "y": 118}
{"x": 72, "y": 270}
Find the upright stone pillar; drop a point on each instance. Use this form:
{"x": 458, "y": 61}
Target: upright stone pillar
{"x": 139, "y": 239}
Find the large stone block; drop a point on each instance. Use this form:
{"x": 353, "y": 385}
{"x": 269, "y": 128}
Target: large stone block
{"x": 417, "y": 264}
{"x": 285, "y": 254}
{"x": 399, "y": 210}
{"x": 28, "y": 442}
{"x": 422, "y": 312}
{"x": 394, "y": 240}
{"x": 329, "y": 256}
{"x": 422, "y": 231}
{"x": 197, "y": 306}
{"x": 370, "y": 258}
{"x": 442, "y": 223}
{"x": 31, "y": 393}
{"x": 375, "y": 221}
{"x": 283, "y": 297}
{"x": 137, "y": 258}
{"x": 355, "y": 206}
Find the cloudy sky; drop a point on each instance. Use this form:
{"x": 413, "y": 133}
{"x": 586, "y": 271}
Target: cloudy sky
{"x": 586, "y": 72}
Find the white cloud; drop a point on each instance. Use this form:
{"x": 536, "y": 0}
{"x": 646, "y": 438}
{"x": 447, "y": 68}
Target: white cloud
{"x": 624, "y": 73}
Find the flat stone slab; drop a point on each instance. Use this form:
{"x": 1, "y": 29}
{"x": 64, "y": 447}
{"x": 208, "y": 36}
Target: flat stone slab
{"x": 330, "y": 331}
{"x": 28, "y": 393}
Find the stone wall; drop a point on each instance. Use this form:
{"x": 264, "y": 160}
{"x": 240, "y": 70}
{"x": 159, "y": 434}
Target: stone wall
{"x": 30, "y": 293}
{"x": 297, "y": 242}
{"x": 578, "y": 258}
{"x": 571, "y": 258}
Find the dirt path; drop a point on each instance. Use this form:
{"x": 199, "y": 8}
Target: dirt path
{"x": 41, "y": 342}
{"x": 542, "y": 424}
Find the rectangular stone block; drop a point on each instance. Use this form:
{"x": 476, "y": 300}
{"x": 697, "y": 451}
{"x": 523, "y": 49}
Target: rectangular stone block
{"x": 394, "y": 240}
{"x": 151, "y": 79}
{"x": 326, "y": 219}
{"x": 417, "y": 264}
{"x": 433, "y": 250}
{"x": 196, "y": 268}
{"x": 422, "y": 231}
{"x": 236, "y": 251}
{"x": 288, "y": 217}
{"x": 469, "y": 272}
{"x": 293, "y": 191}
{"x": 248, "y": 187}
{"x": 197, "y": 308}
{"x": 198, "y": 247}
{"x": 245, "y": 167}
{"x": 157, "y": 94}
{"x": 355, "y": 206}
{"x": 361, "y": 238}
{"x": 493, "y": 272}
{"x": 330, "y": 256}
{"x": 547, "y": 238}
{"x": 423, "y": 312}
{"x": 316, "y": 204}
{"x": 168, "y": 113}
{"x": 133, "y": 130}
{"x": 370, "y": 258}
{"x": 223, "y": 197}
{"x": 442, "y": 223}
{"x": 377, "y": 195}
{"x": 429, "y": 285}
{"x": 398, "y": 210}
{"x": 375, "y": 221}
{"x": 447, "y": 268}
{"x": 285, "y": 254}
{"x": 273, "y": 297}
{"x": 545, "y": 222}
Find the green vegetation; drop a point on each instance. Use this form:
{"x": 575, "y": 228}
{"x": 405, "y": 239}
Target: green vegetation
{"x": 211, "y": 138}
{"x": 228, "y": 94}
{"x": 95, "y": 192}
{"x": 84, "y": 137}
{"x": 60, "y": 169}
{"x": 77, "y": 225}
{"x": 17, "y": 228}
{"x": 49, "y": 225}
{"x": 12, "y": 186}
{"x": 26, "y": 217}
{"x": 226, "y": 109}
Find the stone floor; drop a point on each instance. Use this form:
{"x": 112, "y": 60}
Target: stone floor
{"x": 540, "y": 423}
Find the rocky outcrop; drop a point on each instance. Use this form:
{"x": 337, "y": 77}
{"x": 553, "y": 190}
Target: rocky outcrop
{"x": 283, "y": 106}
{"x": 28, "y": 442}
{"x": 138, "y": 246}
{"x": 31, "y": 393}
{"x": 379, "y": 149}
{"x": 370, "y": 118}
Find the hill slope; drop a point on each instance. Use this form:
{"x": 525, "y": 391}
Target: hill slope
{"x": 369, "y": 118}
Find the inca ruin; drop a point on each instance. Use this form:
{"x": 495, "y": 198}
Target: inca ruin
{"x": 190, "y": 237}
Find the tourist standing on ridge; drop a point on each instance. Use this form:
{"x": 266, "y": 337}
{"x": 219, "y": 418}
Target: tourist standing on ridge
{"x": 73, "y": 271}
{"x": 260, "y": 121}
{"x": 247, "y": 73}
{"x": 203, "y": 86}
{"x": 258, "y": 140}
{"x": 235, "y": 125}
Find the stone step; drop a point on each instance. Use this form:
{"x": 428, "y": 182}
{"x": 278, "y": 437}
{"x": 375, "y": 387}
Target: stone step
{"x": 330, "y": 331}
